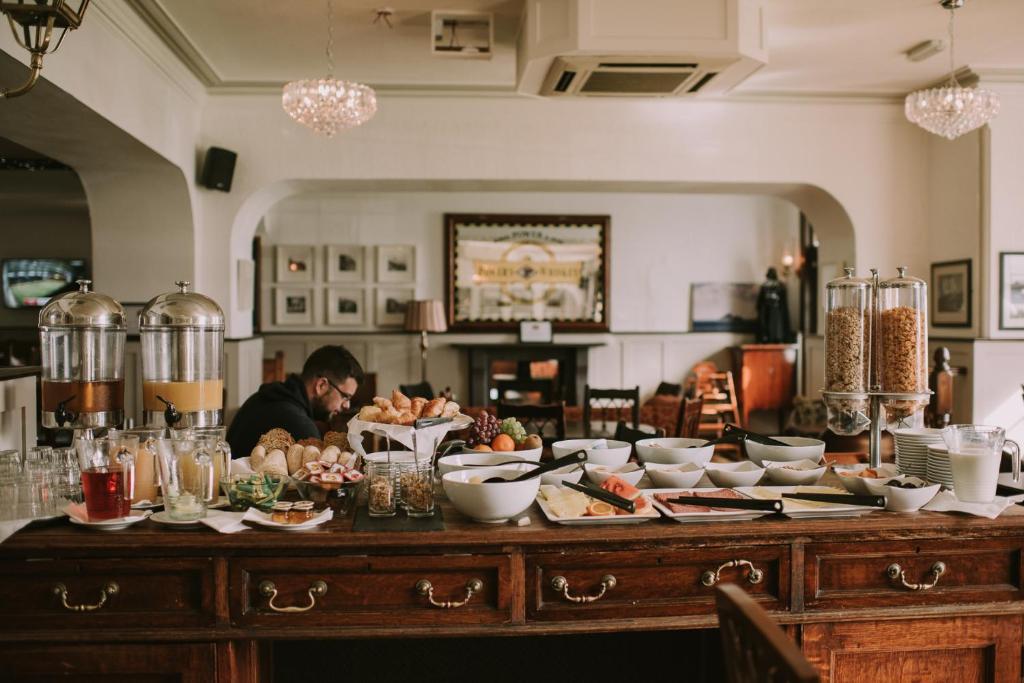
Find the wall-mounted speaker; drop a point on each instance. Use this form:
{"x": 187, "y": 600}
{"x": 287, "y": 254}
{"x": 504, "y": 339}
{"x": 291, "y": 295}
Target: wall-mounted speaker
{"x": 218, "y": 169}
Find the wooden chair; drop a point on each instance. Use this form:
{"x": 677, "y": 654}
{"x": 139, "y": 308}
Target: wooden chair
{"x": 754, "y": 648}
{"x": 273, "y": 368}
{"x": 688, "y": 424}
{"x": 611, "y": 407}
{"x": 719, "y": 392}
{"x": 422, "y": 390}
{"x": 546, "y": 420}
{"x": 624, "y": 433}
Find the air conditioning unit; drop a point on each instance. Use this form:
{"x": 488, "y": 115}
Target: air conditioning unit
{"x": 617, "y": 76}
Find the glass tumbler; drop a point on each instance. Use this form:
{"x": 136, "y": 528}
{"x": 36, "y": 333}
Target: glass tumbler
{"x": 417, "y": 486}
{"x": 108, "y": 476}
{"x": 381, "y": 493}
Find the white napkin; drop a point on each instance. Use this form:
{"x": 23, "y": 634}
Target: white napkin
{"x": 426, "y": 438}
{"x": 226, "y": 522}
{"x": 11, "y": 527}
{"x": 946, "y": 501}
{"x": 254, "y": 515}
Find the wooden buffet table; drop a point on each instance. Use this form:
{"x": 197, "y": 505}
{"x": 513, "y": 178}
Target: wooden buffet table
{"x": 200, "y": 605}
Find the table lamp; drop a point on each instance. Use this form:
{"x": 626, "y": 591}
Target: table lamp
{"x": 425, "y": 316}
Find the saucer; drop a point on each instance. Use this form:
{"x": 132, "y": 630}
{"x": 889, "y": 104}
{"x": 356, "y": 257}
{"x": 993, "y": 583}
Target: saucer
{"x": 164, "y": 517}
{"x": 111, "y": 524}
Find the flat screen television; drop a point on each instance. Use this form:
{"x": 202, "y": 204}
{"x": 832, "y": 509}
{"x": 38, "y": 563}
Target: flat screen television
{"x": 32, "y": 282}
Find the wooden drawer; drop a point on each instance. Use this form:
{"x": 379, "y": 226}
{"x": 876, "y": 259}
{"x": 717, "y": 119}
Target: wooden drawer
{"x": 370, "y": 591}
{"x": 842, "y": 576}
{"x": 650, "y": 583}
{"x": 146, "y": 593}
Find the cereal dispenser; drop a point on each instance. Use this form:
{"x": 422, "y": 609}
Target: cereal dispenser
{"x": 182, "y": 337}
{"x": 903, "y": 348}
{"x": 848, "y": 316}
{"x": 82, "y": 337}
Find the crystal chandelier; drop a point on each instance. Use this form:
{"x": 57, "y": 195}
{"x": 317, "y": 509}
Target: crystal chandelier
{"x": 951, "y": 110}
{"x": 327, "y": 104}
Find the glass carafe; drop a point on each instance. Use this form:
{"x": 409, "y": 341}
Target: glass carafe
{"x": 186, "y": 477}
{"x": 147, "y": 474}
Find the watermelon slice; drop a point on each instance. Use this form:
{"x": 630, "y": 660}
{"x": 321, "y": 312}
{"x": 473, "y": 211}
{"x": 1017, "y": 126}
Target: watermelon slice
{"x": 620, "y": 488}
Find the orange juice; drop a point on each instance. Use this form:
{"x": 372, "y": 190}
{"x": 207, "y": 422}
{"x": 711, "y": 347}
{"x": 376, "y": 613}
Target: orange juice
{"x": 187, "y": 397}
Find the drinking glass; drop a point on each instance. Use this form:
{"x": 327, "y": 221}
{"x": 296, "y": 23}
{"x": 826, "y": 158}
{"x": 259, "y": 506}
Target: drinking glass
{"x": 220, "y": 451}
{"x": 975, "y": 452}
{"x": 10, "y": 463}
{"x": 108, "y": 476}
{"x": 186, "y": 477}
{"x": 147, "y": 480}
{"x": 381, "y": 489}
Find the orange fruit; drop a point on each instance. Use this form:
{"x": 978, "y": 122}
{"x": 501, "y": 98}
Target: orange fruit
{"x": 600, "y": 509}
{"x": 503, "y": 442}
{"x": 482, "y": 447}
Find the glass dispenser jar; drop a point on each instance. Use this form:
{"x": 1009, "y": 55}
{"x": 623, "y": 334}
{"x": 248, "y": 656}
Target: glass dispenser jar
{"x": 848, "y": 317}
{"x": 902, "y": 342}
{"x": 182, "y": 337}
{"x": 82, "y": 336}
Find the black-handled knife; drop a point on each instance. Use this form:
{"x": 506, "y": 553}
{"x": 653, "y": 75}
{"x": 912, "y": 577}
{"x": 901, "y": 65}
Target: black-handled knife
{"x": 605, "y": 496}
{"x": 734, "y": 503}
{"x": 839, "y": 498}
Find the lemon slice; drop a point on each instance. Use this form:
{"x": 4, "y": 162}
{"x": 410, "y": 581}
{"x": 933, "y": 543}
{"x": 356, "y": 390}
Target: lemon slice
{"x": 600, "y": 509}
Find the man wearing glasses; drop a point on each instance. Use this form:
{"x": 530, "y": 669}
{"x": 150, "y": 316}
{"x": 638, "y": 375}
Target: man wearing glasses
{"x": 328, "y": 380}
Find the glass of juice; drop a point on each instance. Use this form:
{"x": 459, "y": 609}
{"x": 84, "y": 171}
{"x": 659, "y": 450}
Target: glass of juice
{"x": 186, "y": 477}
{"x": 108, "y": 476}
{"x": 147, "y": 479}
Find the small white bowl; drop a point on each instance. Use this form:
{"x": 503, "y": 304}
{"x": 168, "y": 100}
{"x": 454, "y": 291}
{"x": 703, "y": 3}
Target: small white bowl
{"x": 631, "y": 473}
{"x": 570, "y": 473}
{"x": 614, "y": 454}
{"x": 489, "y": 502}
{"x": 674, "y": 451}
{"x": 682, "y": 476}
{"x": 902, "y": 500}
{"x": 793, "y": 473}
{"x": 532, "y": 454}
{"x": 856, "y": 484}
{"x": 463, "y": 461}
{"x": 733, "y": 474}
{"x": 798, "y": 448}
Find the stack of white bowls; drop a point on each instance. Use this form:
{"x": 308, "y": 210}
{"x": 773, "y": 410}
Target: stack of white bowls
{"x": 939, "y": 469}
{"x": 912, "y": 449}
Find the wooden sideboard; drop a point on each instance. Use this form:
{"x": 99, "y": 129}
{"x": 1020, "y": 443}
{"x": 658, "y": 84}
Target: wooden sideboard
{"x": 198, "y": 606}
{"x": 765, "y": 378}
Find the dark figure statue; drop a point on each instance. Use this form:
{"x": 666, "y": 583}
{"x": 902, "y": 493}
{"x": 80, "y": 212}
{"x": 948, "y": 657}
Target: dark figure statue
{"x": 772, "y": 311}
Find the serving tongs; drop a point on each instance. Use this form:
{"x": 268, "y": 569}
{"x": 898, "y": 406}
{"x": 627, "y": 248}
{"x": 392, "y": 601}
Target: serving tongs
{"x": 612, "y": 499}
{"x": 735, "y": 434}
{"x": 733, "y": 503}
{"x": 839, "y": 498}
{"x": 577, "y": 458}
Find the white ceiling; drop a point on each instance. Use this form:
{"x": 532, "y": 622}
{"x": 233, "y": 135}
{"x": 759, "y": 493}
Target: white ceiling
{"x": 815, "y": 46}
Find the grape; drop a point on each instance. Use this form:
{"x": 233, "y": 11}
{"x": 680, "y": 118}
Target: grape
{"x": 514, "y": 428}
{"x": 483, "y": 430}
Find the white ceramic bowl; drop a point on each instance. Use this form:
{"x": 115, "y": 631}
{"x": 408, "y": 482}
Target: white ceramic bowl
{"x": 733, "y": 474}
{"x": 683, "y": 476}
{"x": 793, "y": 473}
{"x": 902, "y": 500}
{"x": 631, "y": 473}
{"x": 856, "y": 484}
{"x": 533, "y": 455}
{"x": 570, "y": 473}
{"x": 799, "y": 448}
{"x": 463, "y": 461}
{"x": 616, "y": 454}
{"x": 674, "y": 451}
{"x": 489, "y": 502}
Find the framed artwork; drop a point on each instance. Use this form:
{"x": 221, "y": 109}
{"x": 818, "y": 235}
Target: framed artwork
{"x": 294, "y": 263}
{"x": 293, "y": 306}
{"x": 346, "y": 306}
{"x": 346, "y": 263}
{"x": 723, "y": 307}
{"x": 391, "y": 305}
{"x": 508, "y": 268}
{"x": 396, "y": 263}
{"x": 1011, "y": 290}
{"x": 951, "y": 294}
{"x": 535, "y": 332}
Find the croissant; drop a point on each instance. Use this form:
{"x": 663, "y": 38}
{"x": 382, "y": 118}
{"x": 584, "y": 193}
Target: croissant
{"x": 417, "y": 406}
{"x": 390, "y": 417}
{"x": 370, "y": 413}
{"x": 382, "y": 403}
{"x": 451, "y": 409}
{"x": 406, "y": 418}
{"x": 400, "y": 400}
{"x": 434, "y": 408}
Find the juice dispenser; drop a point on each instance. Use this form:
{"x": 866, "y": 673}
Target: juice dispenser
{"x": 182, "y": 337}
{"x": 82, "y": 337}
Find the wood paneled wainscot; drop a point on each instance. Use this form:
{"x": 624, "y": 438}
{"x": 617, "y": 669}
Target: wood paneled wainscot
{"x": 884, "y": 597}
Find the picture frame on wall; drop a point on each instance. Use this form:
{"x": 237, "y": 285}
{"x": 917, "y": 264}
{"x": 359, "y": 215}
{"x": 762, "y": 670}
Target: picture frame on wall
{"x": 392, "y": 303}
{"x": 1011, "y": 290}
{"x": 396, "y": 263}
{"x": 293, "y": 306}
{"x": 951, "y": 294}
{"x": 347, "y": 306}
{"x": 723, "y": 307}
{"x": 294, "y": 263}
{"x": 346, "y": 263}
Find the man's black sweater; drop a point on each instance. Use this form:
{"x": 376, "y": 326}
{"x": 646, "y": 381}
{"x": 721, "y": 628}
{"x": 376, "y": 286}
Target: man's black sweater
{"x": 275, "y": 404}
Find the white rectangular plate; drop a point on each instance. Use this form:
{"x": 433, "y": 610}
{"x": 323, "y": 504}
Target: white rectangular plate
{"x": 799, "y": 509}
{"x": 617, "y": 519}
{"x": 694, "y": 517}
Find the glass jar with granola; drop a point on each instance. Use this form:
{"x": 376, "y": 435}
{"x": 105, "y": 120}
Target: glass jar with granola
{"x": 903, "y": 344}
{"x": 848, "y": 319}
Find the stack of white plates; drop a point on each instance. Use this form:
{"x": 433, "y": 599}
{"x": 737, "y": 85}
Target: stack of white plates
{"x": 939, "y": 469}
{"x": 912, "y": 449}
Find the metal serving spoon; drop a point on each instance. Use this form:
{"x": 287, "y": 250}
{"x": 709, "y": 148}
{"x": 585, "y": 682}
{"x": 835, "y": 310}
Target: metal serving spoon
{"x": 576, "y": 458}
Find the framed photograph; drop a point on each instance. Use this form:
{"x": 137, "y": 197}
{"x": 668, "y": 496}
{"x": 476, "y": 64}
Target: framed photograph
{"x": 723, "y": 307}
{"x": 535, "y": 332}
{"x": 396, "y": 263}
{"x": 293, "y": 306}
{"x": 951, "y": 294}
{"x": 391, "y": 305}
{"x": 347, "y": 306}
{"x": 508, "y": 268}
{"x": 346, "y": 263}
{"x": 1011, "y": 290}
{"x": 294, "y": 263}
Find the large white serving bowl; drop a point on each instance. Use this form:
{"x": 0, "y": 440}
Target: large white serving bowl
{"x": 733, "y": 474}
{"x": 902, "y": 500}
{"x": 794, "y": 472}
{"x": 489, "y": 502}
{"x": 570, "y": 473}
{"x": 464, "y": 461}
{"x": 797, "y": 448}
{"x": 616, "y": 454}
{"x": 631, "y": 473}
{"x": 674, "y": 451}
{"x": 675, "y": 476}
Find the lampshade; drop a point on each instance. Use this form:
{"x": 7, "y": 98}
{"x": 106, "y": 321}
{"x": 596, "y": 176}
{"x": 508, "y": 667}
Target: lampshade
{"x": 425, "y": 315}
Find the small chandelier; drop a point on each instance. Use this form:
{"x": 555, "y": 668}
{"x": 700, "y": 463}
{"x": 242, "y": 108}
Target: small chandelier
{"x": 32, "y": 23}
{"x": 951, "y": 110}
{"x": 328, "y": 105}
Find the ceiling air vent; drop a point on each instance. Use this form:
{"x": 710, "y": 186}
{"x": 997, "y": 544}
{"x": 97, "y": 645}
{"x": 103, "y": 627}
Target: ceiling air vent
{"x": 591, "y": 76}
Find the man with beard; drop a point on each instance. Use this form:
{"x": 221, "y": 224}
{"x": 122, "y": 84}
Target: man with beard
{"x": 328, "y": 380}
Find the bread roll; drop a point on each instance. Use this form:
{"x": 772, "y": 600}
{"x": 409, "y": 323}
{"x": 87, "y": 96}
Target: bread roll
{"x": 339, "y": 439}
{"x": 294, "y": 457}
{"x": 310, "y": 454}
{"x": 256, "y": 458}
{"x": 451, "y": 409}
{"x": 417, "y": 406}
{"x": 434, "y": 408}
{"x": 331, "y": 454}
{"x": 274, "y": 463}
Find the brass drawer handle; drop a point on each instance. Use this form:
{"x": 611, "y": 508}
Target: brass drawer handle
{"x": 754, "y": 576}
{"x": 424, "y": 587}
{"x": 897, "y": 572}
{"x": 109, "y": 588}
{"x": 561, "y": 584}
{"x": 269, "y": 590}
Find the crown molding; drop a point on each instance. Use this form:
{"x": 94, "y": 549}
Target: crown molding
{"x": 154, "y": 16}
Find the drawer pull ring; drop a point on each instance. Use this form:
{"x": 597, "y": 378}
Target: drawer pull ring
{"x": 424, "y": 587}
{"x": 561, "y": 585}
{"x": 754, "y": 575}
{"x": 109, "y": 588}
{"x": 897, "y": 572}
{"x": 269, "y": 590}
